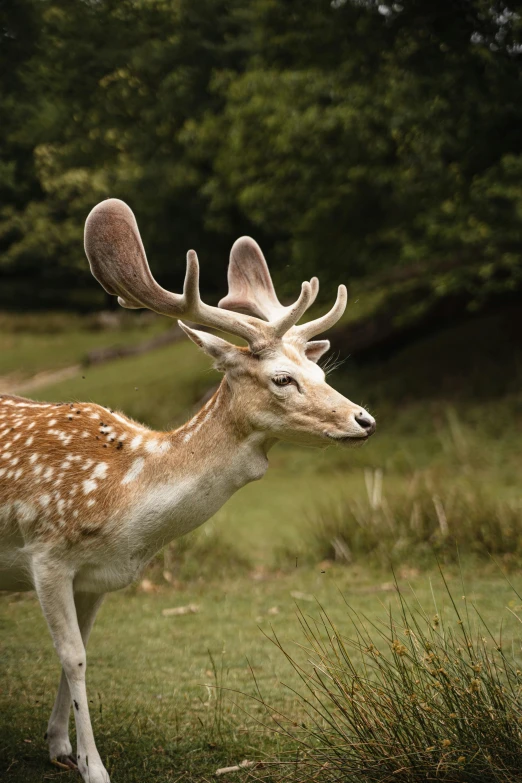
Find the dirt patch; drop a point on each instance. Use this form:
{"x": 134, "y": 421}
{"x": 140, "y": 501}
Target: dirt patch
{"x": 12, "y": 384}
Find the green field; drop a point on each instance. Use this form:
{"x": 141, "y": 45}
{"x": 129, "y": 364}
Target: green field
{"x": 153, "y": 713}
{"x": 155, "y": 717}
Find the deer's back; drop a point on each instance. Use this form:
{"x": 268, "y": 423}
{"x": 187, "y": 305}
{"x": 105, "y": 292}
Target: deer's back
{"x": 63, "y": 468}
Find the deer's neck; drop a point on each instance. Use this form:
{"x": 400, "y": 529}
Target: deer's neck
{"x": 194, "y": 470}
{"x": 216, "y": 441}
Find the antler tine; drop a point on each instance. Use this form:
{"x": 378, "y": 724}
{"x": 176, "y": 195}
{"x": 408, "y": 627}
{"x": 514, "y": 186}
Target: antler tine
{"x": 293, "y": 313}
{"x": 250, "y": 286}
{"x": 314, "y": 283}
{"x": 306, "y": 331}
{"x": 191, "y": 284}
{"x": 241, "y": 325}
{"x": 251, "y": 290}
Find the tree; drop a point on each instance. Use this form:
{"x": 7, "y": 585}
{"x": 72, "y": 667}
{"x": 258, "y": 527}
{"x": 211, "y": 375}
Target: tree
{"x": 358, "y": 138}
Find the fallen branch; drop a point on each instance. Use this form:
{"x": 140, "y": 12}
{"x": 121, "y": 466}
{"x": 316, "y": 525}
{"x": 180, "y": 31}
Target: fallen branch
{"x": 107, "y": 354}
{"x": 176, "y": 611}
{"x": 237, "y": 768}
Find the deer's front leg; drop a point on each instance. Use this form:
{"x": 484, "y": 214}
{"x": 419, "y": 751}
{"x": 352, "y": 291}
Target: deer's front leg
{"x": 54, "y": 587}
{"x": 57, "y": 734}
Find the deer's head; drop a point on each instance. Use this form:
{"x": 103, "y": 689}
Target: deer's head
{"x": 278, "y": 387}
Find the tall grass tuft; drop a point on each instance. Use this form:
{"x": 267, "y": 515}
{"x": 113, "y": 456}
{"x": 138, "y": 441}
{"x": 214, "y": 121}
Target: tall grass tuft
{"x": 418, "y": 697}
{"x": 425, "y": 515}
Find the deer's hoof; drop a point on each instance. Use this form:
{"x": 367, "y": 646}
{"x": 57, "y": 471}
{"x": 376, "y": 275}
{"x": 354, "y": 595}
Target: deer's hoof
{"x": 93, "y": 772}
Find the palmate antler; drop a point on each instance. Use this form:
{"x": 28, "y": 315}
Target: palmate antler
{"x": 251, "y": 291}
{"x": 117, "y": 258}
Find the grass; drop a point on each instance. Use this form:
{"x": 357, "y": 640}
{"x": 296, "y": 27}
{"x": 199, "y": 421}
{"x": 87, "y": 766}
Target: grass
{"x": 426, "y": 514}
{"x": 148, "y": 674}
{"x": 420, "y": 695}
{"x": 154, "y": 716}
{"x": 30, "y": 344}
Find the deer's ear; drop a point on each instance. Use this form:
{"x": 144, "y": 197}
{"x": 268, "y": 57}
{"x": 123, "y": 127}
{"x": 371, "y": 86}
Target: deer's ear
{"x": 223, "y": 352}
{"x": 315, "y": 349}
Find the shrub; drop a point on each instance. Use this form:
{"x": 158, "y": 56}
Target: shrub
{"x": 419, "y": 697}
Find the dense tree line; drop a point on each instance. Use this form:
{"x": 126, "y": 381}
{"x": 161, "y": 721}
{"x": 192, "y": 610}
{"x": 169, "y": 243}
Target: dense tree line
{"x": 351, "y": 138}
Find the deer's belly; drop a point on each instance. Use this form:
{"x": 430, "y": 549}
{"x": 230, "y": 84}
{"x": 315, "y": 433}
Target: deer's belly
{"x": 108, "y": 576}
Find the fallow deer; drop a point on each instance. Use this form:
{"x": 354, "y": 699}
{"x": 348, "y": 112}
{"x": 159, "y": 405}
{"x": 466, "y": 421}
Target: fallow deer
{"x": 88, "y": 496}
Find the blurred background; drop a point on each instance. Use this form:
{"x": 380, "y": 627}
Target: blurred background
{"x": 375, "y": 144}
{"x": 355, "y": 139}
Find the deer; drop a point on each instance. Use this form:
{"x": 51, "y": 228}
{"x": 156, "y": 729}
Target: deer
{"x": 88, "y": 496}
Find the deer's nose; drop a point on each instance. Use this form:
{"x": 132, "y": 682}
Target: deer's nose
{"x": 365, "y": 421}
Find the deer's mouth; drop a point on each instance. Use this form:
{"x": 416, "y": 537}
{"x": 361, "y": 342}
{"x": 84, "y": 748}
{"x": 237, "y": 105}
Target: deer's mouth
{"x": 356, "y": 440}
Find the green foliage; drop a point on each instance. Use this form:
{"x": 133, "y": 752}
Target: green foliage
{"x": 355, "y": 137}
{"x": 385, "y": 154}
{"x": 102, "y": 118}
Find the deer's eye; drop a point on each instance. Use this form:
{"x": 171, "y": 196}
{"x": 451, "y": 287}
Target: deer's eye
{"x": 283, "y": 380}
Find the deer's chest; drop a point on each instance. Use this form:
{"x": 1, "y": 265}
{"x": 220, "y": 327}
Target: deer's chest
{"x": 159, "y": 514}
{"x": 169, "y": 510}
